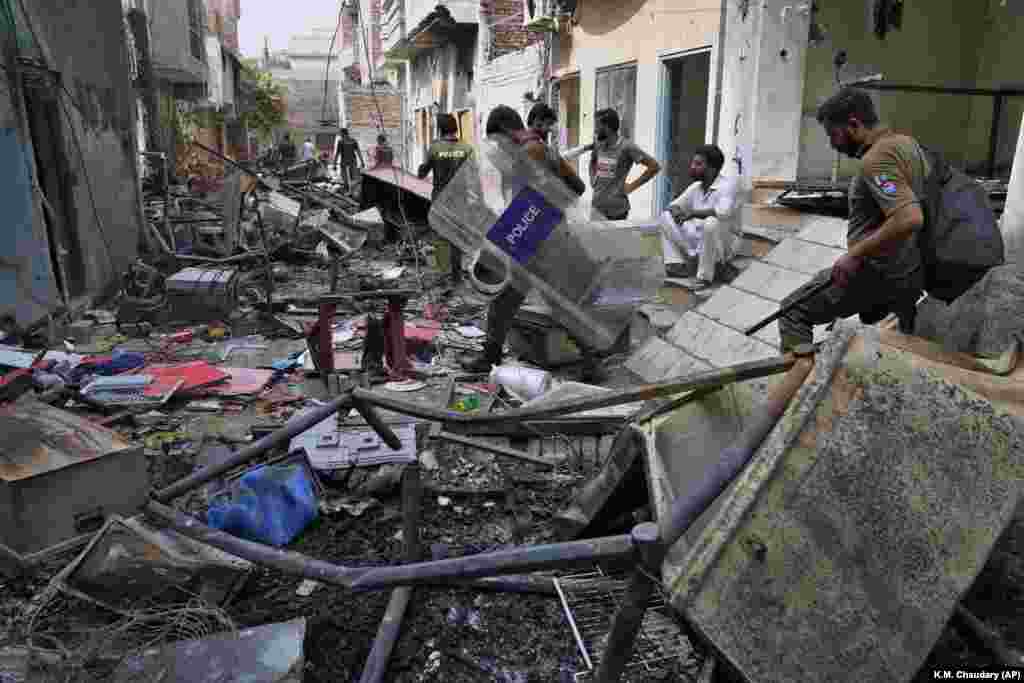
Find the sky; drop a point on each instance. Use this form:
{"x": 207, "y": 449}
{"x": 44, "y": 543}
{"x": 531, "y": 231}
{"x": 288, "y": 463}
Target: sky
{"x": 280, "y": 20}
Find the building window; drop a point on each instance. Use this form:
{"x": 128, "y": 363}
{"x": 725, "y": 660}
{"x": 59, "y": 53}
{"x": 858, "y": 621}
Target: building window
{"x": 196, "y": 23}
{"x": 616, "y": 89}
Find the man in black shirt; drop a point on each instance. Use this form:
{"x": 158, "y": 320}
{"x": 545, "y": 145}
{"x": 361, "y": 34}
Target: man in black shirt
{"x": 444, "y": 158}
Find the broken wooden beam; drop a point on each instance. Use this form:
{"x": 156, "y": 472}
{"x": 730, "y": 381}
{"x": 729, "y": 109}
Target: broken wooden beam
{"x": 704, "y": 380}
{"x": 437, "y": 433}
{"x": 567, "y": 426}
{"x": 514, "y": 561}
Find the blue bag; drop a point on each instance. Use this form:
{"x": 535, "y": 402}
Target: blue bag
{"x": 270, "y": 504}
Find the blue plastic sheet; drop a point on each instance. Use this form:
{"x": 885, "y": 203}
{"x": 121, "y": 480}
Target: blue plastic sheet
{"x": 271, "y": 504}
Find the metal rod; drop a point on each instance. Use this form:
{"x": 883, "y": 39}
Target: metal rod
{"x": 993, "y": 135}
{"x": 292, "y": 428}
{"x": 493, "y": 448}
{"x": 629, "y": 616}
{"x": 391, "y": 625}
{"x": 581, "y": 646}
{"x": 820, "y": 287}
{"x": 940, "y": 90}
{"x": 552, "y": 556}
{"x": 412, "y": 498}
{"x": 662, "y": 407}
{"x": 369, "y": 413}
{"x": 387, "y": 635}
{"x": 285, "y": 561}
{"x": 990, "y": 640}
{"x": 297, "y": 564}
{"x": 693, "y": 502}
{"x": 712, "y": 378}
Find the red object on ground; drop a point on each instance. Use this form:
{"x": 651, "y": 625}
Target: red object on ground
{"x": 435, "y": 312}
{"x": 243, "y": 382}
{"x": 196, "y": 374}
{"x": 181, "y": 337}
{"x": 394, "y": 340}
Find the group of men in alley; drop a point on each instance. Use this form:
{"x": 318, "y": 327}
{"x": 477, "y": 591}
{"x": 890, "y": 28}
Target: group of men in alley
{"x": 881, "y": 273}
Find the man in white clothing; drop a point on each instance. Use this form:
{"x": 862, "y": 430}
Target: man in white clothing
{"x": 308, "y": 149}
{"x": 700, "y": 229}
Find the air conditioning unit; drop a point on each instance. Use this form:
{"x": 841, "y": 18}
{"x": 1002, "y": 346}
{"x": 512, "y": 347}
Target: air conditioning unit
{"x": 539, "y": 15}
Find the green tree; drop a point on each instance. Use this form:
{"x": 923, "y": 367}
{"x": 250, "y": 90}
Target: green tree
{"x": 267, "y": 112}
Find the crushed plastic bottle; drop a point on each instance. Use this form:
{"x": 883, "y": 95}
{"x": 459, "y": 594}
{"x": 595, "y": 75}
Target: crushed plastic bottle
{"x": 593, "y": 274}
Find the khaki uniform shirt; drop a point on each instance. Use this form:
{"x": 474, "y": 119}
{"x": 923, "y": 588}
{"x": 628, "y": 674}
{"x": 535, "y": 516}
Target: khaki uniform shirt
{"x": 892, "y": 176}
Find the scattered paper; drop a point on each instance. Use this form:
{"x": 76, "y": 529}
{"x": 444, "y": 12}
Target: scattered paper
{"x": 307, "y": 587}
{"x": 391, "y": 273}
{"x": 470, "y": 331}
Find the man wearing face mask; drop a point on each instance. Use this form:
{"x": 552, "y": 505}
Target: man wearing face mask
{"x": 701, "y": 225}
{"x": 610, "y": 163}
{"x": 881, "y": 271}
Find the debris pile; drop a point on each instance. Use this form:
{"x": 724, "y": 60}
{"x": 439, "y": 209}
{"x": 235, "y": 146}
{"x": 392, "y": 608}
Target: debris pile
{"x": 271, "y": 416}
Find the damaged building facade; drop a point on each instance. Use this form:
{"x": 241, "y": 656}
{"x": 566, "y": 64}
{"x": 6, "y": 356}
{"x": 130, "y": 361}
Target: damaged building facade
{"x": 68, "y": 128}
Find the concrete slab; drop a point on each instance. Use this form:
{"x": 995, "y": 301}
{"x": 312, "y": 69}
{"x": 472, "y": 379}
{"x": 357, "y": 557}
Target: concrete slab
{"x": 825, "y": 230}
{"x": 736, "y": 308}
{"x": 770, "y": 281}
{"x": 715, "y": 343}
{"x": 658, "y": 360}
{"x": 806, "y": 257}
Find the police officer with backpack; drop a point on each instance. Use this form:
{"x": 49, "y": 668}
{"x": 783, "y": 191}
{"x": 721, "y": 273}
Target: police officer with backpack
{"x": 882, "y": 270}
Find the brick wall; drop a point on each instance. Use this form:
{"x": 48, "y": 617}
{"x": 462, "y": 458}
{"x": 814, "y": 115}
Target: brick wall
{"x": 506, "y": 34}
{"x": 362, "y": 110}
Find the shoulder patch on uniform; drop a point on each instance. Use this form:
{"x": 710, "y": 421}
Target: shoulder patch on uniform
{"x": 885, "y": 183}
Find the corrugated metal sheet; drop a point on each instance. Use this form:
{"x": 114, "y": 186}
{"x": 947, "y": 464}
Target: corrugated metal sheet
{"x": 842, "y": 550}
{"x": 38, "y": 439}
{"x": 27, "y": 287}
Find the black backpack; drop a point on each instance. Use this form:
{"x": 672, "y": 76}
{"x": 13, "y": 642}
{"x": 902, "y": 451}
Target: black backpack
{"x": 960, "y": 240}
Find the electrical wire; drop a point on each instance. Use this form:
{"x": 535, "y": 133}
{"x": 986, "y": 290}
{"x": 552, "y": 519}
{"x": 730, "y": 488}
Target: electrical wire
{"x": 408, "y": 235}
{"x": 327, "y": 69}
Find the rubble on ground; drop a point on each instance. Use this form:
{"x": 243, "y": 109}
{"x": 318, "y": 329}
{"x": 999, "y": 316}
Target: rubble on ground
{"x": 214, "y": 343}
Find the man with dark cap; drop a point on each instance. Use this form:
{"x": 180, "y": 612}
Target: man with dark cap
{"x": 881, "y": 271}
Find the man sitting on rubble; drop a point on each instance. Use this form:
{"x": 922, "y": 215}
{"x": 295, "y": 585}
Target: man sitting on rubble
{"x": 881, "y": 271}
{"x": 700, "y": 230}
{"x": 444, "y": 158}
{"x": 506, "y": 121}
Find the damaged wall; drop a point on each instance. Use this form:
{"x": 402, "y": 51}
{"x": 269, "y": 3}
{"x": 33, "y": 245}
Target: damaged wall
{"x": 937, "y": 45}
{"x": 641, "y": 32}
{"x": 998, "y": 57}
{"x": 84, "y": 129}
{"x": 363, "y": 120}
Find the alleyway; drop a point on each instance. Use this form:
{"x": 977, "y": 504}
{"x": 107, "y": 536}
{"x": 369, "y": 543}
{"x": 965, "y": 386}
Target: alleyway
{"x": 268, "y": 414}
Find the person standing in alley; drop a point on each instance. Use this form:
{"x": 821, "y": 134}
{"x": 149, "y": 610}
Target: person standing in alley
{"x": 505, "y": 121}
{"x": 881, "y": 271}
{"x": 308, "y": 150}
{"x": 701, "y": 225}
{"x": 385, "y": 155}
{"x": 348, "y": 153}
{"x": 611, "y": 161}
{"x": 444, "y": 158}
